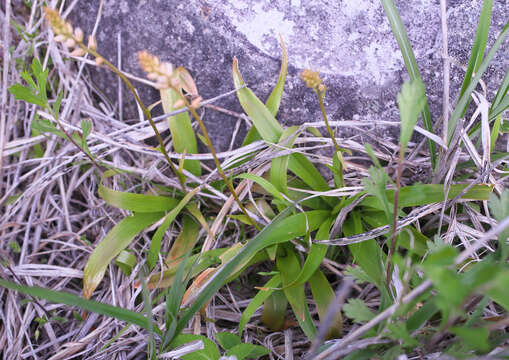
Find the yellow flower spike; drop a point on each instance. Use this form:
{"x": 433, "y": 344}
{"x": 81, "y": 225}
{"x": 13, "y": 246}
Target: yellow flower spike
{"x": 311, "y": 78}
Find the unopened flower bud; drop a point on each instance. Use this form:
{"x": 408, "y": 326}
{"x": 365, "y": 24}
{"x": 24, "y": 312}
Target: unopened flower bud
{"x": 78, "y": 52}
{"x": 70, "y": 43}
{"x": 99, "y": 60}
{"x": 152, "y": 76}
{"x": 60, "y": 38}
{"x": 78, "y": 34}
{"x": 92, "y": 43}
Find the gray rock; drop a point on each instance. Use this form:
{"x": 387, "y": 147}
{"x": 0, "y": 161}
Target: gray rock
{"x": 349, "y": 41}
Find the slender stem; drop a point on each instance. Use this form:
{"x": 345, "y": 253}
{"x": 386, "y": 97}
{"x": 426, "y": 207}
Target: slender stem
{"x": 392, "y": 248}
{"x": 113, "y": 68}
{"x": 216, "y": 160}
{"x": 320, "y": 95}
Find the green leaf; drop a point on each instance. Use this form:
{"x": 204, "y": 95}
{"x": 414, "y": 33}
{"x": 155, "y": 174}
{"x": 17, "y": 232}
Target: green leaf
{"x": 134, "y": 202}
{"x": 227, "y": 340}
{"x": 182, "y": 133}
{"x": 465, "y": 97}
{"x": 315, "y": 256}
{"x": 274, "y": 310}
{"x": 324, "y": 296}
{"x": 500, "y": 210}
{"x": 209, "y": 352}
{"x": 288, "y": 265}
{"x": 126, "y": 261}
{"x": 250, "y": 351}
{"x": 495, "y": 131}
{"x": 400, "y": 333}
{"x": 474, "y": 338}
{"x": 275, "y": 96}
{"x": 258, "y": 300}
{"x": 478, "y": 47}
{"x": 282, "y": 228}
{"x": 411, "y": 102}
{"x": 185, "y": 241}
{"x": 117, "y": 239}
{"x": 264, "y": 121}
{"x": 357, "y": 310}
{"x": 279, "y": 165}
{"x": 358, "y": 274}
{"x": 367, "y": 254}
{"x": 61, "y": 297}
{"x": 155, "y": 244}
{"x": 24, "y": 93}
{"x": 263, "y": 183}
{"x": 411, "y": 64}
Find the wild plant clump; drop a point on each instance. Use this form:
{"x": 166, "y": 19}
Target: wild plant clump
{"x": 273, "y": 252}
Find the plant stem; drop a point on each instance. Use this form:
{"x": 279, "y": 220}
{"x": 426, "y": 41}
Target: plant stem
{"x": 320, "y": 95}
{"x": 392, "y": 248}
{"x": 113, "y": 68}
{"x": 216, "y": 160}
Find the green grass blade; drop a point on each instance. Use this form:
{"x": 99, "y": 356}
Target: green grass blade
{"x": 502, "y": 92}
{"x": 134, "y": 202}
{"x": 113, "y": 243}
{"x": 423, "y": 194}
{"x": 288, "y": 264}
{"x": 185, "y": 240}
{"x": 182, "y": 133}
{"x": 263, "y": 183}
{"x": 258, "y": 300}
{"x": 155, "y": 244}
{"x": 274, "y": 310}
{"x": 411, "y": 64}
{"x": 478, "y": 48}
{"x": 61, "y": 297}
{"x": 463, "y": 100}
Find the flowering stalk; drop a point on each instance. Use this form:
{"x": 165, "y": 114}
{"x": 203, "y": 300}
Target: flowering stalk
{"x": 179, "y": 80}
{"x": 73, "y": 39}
{"x": 313, "y": 81}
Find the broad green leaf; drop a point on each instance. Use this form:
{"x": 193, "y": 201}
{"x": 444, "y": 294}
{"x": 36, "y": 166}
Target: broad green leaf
{"x": 473, "y": 338}
{"x": 274, "y": 99}
{"x": 324, "y": 296}
{"x": 275, "y": 96}
{"x": 274, "y": 310}
{"x": 182, "y": 133}
{"x": 134, "y": 202}
{"x": 61, "y": 297}
{"x": 185, "y": 241}
{"x": 495, "y": 131}
{"x": 288, "y": 264}
{"x": 209, "y": 352}
{"x": 500, "y": 210}
{"x": 410, "y": 63}
{"x": 155, "y": 244}
{"x": 264, "y": 121}
{"x": 250, "y": 351}
{"x": 258, "y": 300}
{"x": 126, "y": 261}
{"x": 315, "y": 256}
{"x": 367, "y": 254}
{"x": 227, "y": 340}
{"x": 279, "y": 165}
{"x": 357, "y": 310}
{"x": 411, "y": 101}
{"x": 117, "y": 239}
